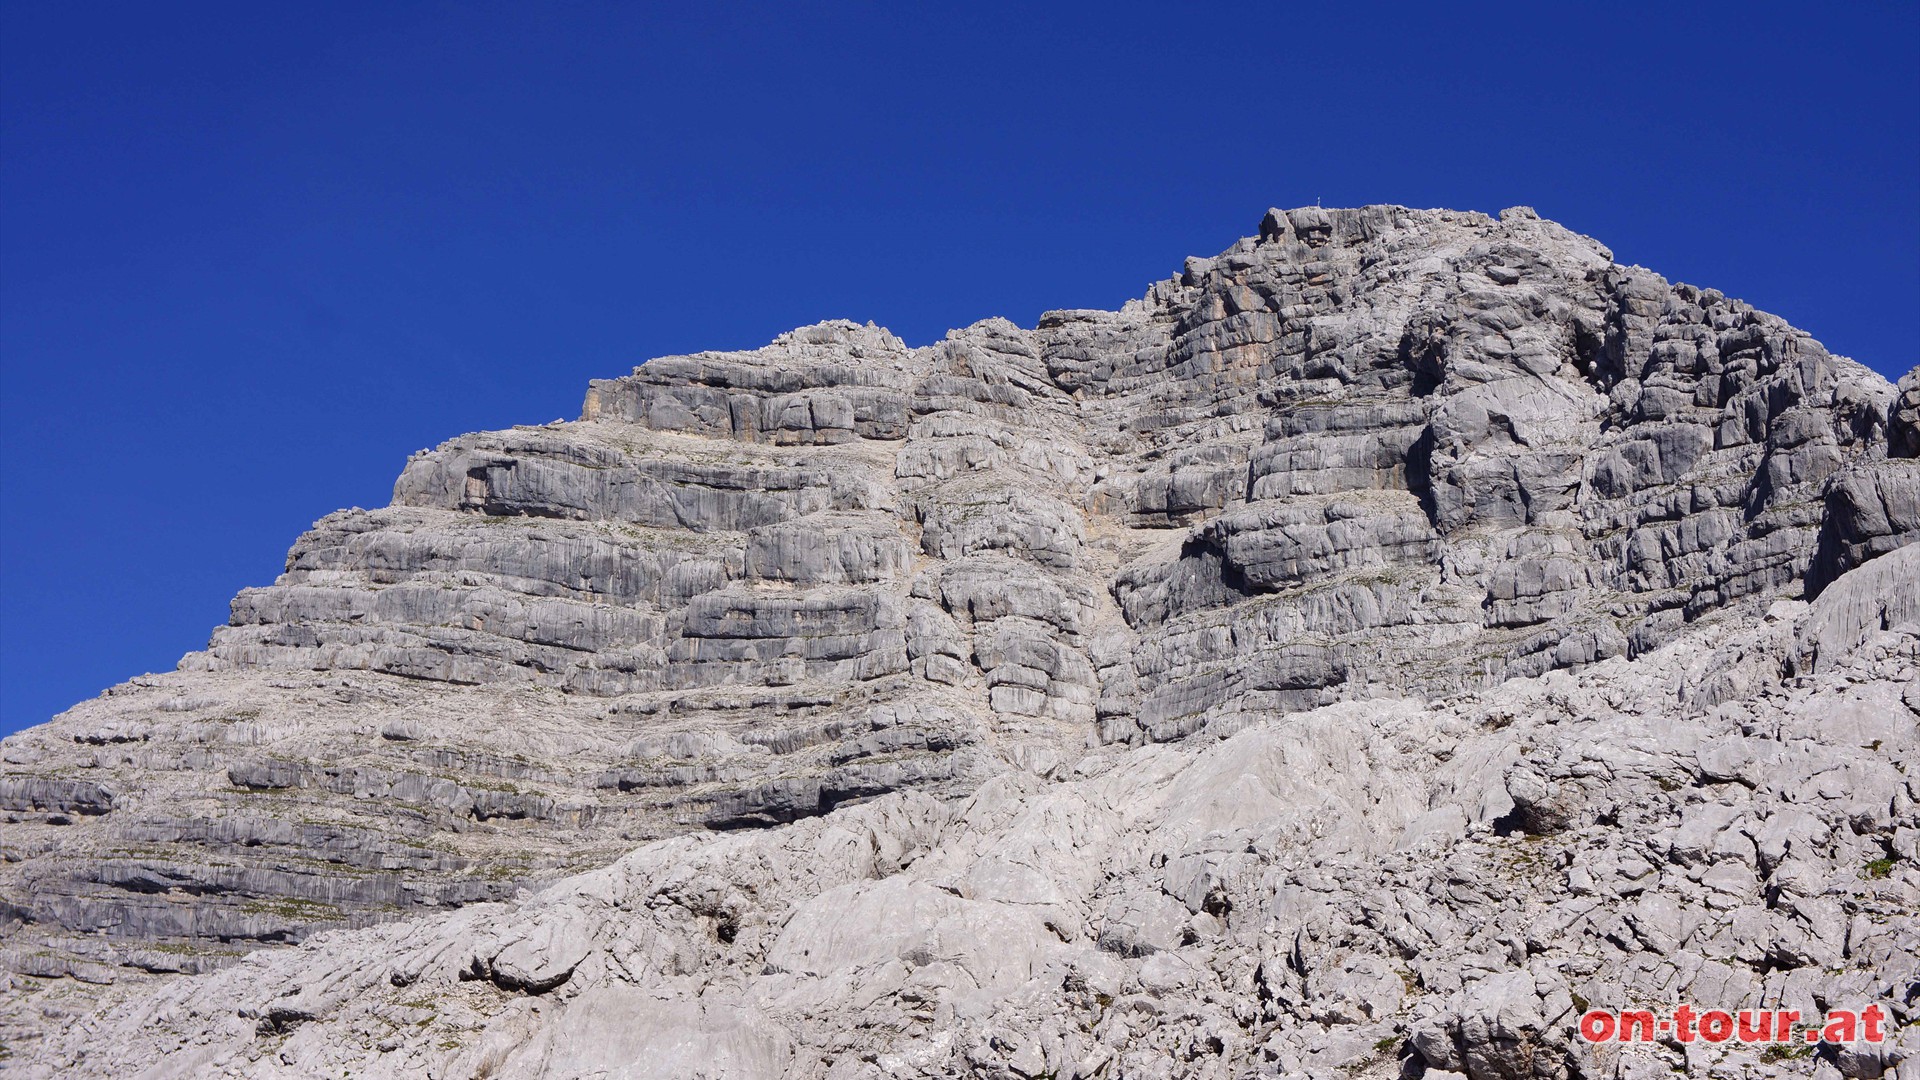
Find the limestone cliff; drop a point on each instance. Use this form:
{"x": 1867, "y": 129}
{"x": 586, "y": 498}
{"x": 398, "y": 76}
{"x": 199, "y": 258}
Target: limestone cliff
{"x": 1319, "y": 497}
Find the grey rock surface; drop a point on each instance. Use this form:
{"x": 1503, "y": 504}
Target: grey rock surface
{"x": 1375, "y": 888}
{"x": 1336, "y": 661}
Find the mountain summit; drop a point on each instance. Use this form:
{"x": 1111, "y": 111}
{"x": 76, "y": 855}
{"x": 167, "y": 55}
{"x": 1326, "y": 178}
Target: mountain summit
{"x": 1354, "y": 657}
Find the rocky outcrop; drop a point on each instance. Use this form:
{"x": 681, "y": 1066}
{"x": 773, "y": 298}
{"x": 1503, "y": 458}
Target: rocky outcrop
{"x": 1379, "y": 888}
{"x": 1367, "y": 456}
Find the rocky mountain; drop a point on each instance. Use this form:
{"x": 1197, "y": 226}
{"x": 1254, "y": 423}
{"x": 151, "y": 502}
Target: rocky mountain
{"x": 1347, "y": 659}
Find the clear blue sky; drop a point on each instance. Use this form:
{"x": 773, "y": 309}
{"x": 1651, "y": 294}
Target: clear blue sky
{"x": 255, "y": 254}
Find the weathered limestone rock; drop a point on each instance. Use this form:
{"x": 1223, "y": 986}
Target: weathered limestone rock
{"x": 1350, "y": 890}
{"x": 1525, "y": 626}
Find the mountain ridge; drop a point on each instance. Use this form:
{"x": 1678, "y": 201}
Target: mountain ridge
{"x": 1366, "y": 455}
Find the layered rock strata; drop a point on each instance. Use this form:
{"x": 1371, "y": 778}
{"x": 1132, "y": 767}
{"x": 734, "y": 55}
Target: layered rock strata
{"x": 1366, "y": 456}
{"x": 1375, "y": 889}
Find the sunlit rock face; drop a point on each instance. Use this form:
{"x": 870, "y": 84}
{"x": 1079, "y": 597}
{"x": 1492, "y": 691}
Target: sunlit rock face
{"x": 1374, "y": 639}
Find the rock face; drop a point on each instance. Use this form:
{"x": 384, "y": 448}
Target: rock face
{"x": 1375, "y": 640}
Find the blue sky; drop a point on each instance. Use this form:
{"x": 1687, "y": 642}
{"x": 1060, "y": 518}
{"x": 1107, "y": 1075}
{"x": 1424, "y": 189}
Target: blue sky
{"x": 251, "y": 256}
